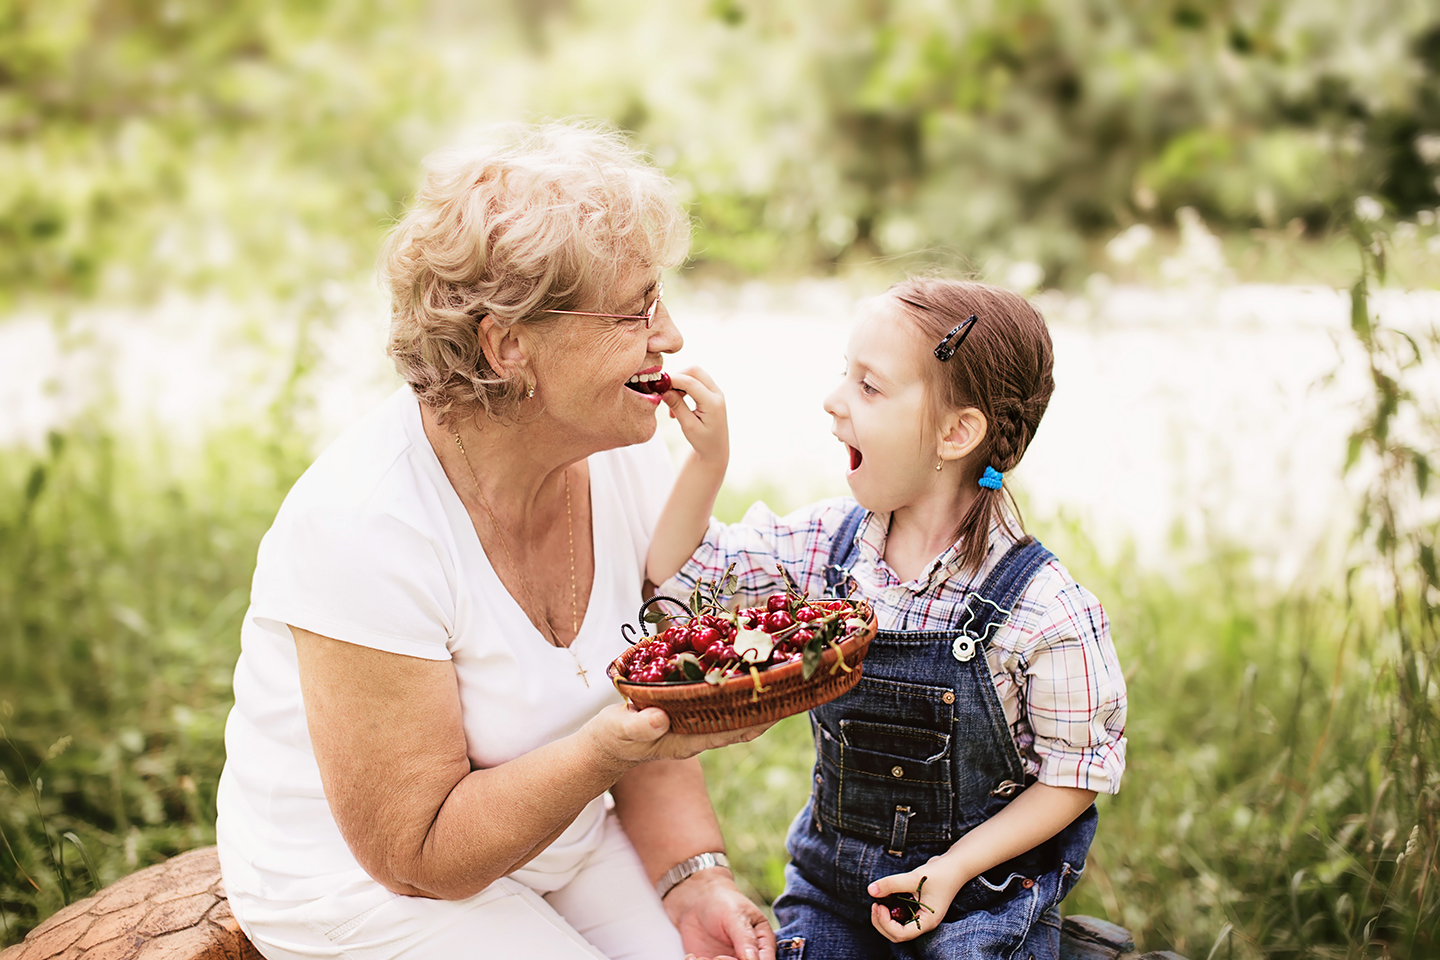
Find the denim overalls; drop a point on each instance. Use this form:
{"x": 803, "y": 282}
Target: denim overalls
{"x": 907, "y": 762}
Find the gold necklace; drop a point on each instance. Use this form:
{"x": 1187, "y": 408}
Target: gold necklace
{"x": 520, "y": 572}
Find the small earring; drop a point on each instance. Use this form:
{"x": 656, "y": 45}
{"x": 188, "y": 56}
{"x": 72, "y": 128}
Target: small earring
{"x": 940, "y": 464}
{"x": 530, "y": 392}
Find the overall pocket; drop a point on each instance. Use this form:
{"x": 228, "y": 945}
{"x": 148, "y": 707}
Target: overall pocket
{"x": 891, "y": 783}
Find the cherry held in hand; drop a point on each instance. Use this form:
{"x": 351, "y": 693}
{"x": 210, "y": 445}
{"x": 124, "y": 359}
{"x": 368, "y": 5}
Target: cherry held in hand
{"x": 905, "y": 907}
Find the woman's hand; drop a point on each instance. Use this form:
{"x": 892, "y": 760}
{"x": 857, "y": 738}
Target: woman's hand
{"x": 942, "y": 881}
{"x": 716, "y": 920}
{"x": 704, "y": 426}
{"x": 625, "y": 736}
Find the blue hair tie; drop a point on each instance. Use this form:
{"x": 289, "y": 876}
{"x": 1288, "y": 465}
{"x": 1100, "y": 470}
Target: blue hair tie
{"x": 993, "y": 479}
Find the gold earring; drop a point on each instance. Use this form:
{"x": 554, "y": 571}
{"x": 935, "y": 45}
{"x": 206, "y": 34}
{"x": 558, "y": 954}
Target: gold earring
{"x": 530, "y": 392}
{"x": 940, "y": 464}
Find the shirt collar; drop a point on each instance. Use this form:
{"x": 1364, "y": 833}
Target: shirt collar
{"x": 875, "y": 527}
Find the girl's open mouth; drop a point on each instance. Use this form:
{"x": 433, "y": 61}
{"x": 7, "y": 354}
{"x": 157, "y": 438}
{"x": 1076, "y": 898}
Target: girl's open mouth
{"x": 855, "y": 458}
{"x": 656, "y": 382}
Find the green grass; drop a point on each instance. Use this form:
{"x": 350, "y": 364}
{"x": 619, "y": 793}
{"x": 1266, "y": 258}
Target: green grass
{"x": 123, "y": 578}
{"x": 1262, "y": 808}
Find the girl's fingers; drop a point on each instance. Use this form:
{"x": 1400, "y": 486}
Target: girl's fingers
{"x": 699, "y": 374}
{"x": 698, "y": 385}
{"x": 895, "y": 883}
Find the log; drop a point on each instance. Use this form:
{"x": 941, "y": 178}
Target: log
{"x": 176, "y": 910}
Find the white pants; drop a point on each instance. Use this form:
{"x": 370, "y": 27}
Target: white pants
{"x": 609, "y": 911}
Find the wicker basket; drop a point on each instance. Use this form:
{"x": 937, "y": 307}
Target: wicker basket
{"x": 735, "y": 703}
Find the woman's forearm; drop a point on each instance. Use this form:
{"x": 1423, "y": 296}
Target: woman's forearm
{"x": 390, "y": 744}
{"x": 494, "y": 821}
{"x": 666, "y": 812}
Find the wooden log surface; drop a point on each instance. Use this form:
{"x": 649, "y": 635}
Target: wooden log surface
{"x": 176, "y": 910}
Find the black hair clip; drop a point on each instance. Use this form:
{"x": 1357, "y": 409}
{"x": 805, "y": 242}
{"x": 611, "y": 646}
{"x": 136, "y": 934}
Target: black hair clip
{"x": 946, "y": 349}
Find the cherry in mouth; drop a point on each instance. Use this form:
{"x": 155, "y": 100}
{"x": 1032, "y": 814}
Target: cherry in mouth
{"x": 660, "y": 384}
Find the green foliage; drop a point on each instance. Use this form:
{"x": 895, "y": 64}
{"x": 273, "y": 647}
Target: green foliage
{"x": 208, "y": 143}
{"x": 265, "y": 144}
{"x": 122, "y": 582}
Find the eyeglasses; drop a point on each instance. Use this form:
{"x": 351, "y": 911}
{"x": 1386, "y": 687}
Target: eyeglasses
{"x": 648, "y": 316}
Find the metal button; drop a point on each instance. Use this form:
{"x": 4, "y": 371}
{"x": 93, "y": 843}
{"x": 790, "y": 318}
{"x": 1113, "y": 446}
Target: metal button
{"x": 897, "y": 771}
{"x": 948, "y": 696}
{"x": 1027, "y": 883}
{"x": 819, "y": 779}
{"x": 1007, "y": 789}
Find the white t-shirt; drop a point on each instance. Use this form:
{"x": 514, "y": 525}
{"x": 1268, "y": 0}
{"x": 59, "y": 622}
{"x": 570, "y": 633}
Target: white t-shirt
{"x": 373, "y": 546}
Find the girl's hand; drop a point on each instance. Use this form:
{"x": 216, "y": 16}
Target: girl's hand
{"x": 705, "y": 426}
{"x": 626, "y": 737}
{"x": 940, "y": 887}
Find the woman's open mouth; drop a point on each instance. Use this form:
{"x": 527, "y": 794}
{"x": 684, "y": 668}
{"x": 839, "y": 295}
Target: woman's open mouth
{"x": 855, "y": 458}
{"x": 655, "y": 382}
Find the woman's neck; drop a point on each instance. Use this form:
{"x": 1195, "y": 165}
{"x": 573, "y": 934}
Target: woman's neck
{"x": 519, "y": 470}
{"x": 921, "y": 531}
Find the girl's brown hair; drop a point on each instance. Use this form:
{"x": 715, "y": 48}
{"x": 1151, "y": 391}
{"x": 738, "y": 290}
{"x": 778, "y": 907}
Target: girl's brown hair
{"x": 1004, "y": 368}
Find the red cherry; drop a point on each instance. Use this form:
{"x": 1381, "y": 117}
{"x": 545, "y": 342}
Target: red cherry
{"x": 837, "y": 606}
{"x": 897, "y": 914}
{"x": 701, "y": 639}
{"x": 807, "y": 613}
{"x": 801, "y": 637}
{"x": 777, "y": 621}
{"x": 778, "y": 601}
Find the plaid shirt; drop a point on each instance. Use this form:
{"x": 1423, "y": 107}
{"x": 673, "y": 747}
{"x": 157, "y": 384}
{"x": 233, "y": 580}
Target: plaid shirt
{"x": 1054, "y": 666}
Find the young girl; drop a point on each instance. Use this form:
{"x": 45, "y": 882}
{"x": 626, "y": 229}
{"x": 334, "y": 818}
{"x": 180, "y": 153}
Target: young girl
{"x": 991, "y": 709}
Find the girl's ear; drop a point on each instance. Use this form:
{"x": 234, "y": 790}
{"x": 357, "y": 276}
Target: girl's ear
{"x": 961, "y": 431}
{"x": 506, "y": 351}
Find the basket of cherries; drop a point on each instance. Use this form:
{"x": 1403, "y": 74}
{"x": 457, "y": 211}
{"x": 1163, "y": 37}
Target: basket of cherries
{"x": 712, "y": 668}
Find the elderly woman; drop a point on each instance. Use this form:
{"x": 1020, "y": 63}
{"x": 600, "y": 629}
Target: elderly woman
{"x": 425, "y": 758}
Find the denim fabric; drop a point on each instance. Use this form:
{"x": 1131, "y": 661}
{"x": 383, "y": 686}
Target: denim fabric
{"x": 912, "y": 758}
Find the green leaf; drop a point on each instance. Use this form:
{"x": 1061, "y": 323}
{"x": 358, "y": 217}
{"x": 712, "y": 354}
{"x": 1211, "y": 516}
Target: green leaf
{"x": 1422, "y": 472}
{"x": 654, "y": 615}
{"x": 1352, "y": 450}
{"x": 690, "y": 667}
{"x": 35, "y": 483}
{"x": 1360, "y": 310}
{"x": 1427, "y": 563}
{"x": 810, "y": 659}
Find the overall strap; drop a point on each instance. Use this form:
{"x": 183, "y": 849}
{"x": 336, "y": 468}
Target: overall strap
{"x": 989, "y": 607}
{"x": 842, "y": 552}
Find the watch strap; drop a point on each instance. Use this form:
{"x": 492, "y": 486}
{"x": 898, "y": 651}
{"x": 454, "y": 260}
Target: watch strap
{"x": 683, "y": 869}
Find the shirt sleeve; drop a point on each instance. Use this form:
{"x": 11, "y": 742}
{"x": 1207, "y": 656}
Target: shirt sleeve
{"x": 362, "y": 576}
{"x": 757, "y": 545}
{"x": 1074, "y": 693}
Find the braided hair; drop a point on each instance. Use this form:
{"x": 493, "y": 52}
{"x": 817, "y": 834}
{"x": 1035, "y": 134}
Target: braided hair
{"x": 1004, "y": 368}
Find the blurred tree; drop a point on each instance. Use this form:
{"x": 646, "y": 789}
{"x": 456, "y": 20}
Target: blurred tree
{"x": 143, "y": 143}
{"x": 263, "y": 144}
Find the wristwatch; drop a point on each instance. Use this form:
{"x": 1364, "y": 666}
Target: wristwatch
{"x": 683, "y": 869}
